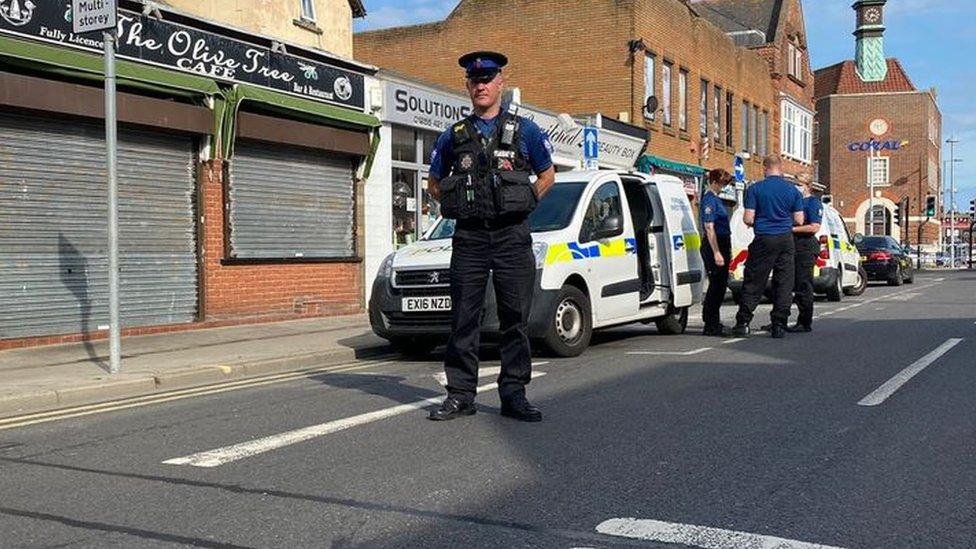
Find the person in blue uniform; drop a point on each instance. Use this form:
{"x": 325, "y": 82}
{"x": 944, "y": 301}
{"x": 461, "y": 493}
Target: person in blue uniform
{"x": 480, "y": 171}
{"x": 716, "y": 250}
{"x": 772, "y": 207}
{"x": 807, "y": 250}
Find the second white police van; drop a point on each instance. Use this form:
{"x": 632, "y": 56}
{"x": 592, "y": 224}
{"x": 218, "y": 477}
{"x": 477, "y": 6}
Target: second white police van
{"x": 837, "y": 270}
{"x": 611, "y": 248}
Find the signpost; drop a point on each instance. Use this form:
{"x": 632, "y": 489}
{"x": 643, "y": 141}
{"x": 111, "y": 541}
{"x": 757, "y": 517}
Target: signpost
{"x": 93, "y": 16}
{"x": 591, "y": 147}
{"x": 739, "y": 167}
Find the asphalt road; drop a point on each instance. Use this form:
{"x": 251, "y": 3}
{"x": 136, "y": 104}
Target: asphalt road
{"x": 746, "y": 438}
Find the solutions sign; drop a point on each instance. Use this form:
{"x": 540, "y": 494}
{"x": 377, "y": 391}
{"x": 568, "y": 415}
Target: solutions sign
{"x": 148, "y": 40}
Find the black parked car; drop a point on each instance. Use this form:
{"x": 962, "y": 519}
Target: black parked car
{"x": 884, "y": 259}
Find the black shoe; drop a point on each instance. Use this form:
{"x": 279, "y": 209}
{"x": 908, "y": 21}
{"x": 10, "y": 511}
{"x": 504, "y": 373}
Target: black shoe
{"x": 452, "y": 408}
{"x": 799, "y": 328}
{"x": 716, "y": 331}
{"x": 741, "y": 330}
{"x": 520, "y": 409}
{"x": 778, "y": 331}
{"x": 766, "y": 328}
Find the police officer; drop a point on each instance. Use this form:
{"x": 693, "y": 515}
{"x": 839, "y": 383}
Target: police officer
{"x": 480, "y": 171}
{"x": 772, "y": 207}
{"x": 716, "y": 250}
{"x": 807, "y": 249}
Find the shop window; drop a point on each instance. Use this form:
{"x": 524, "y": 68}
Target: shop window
{"x": 429, "y": 139}
{"x": 703, "y": 109}
{"x": 404, "y": 190}
{"x": 878, "y": 170}
{"x": 729, "y": 102}
{"x": 404, "y": 145}
{"x": 717, "y": 115}
{"x": 683, "y": 100}
{"x": 308, "y": 10}
{"x": 649, "y": 63}
{"x": 744, "y": 122}
{"x": 666, "y": 91}
{"x": 796, "y": 136}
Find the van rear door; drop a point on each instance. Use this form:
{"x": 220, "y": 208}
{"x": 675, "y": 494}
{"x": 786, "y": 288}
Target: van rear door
{"x": 683, "y": 242}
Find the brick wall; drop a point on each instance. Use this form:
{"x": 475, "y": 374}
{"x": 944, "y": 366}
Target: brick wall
{"x": 573, "y": 57}
{"x": 914, "y": 168}
{"x": 274, "y": 290}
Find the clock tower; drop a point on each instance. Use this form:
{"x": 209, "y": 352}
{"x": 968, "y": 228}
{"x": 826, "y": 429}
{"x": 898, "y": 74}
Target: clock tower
{"x": 869, "y": 53}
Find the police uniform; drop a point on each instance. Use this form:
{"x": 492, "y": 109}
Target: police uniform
{"x": 483, "y": 169}
{"x": 807, "y": 249}
{"x": 712, "y": 210}
{"x": 774, "y": 200}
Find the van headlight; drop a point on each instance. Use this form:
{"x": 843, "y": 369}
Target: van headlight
{"x": 386, "y": 268}
{"x": 539, "y": 250}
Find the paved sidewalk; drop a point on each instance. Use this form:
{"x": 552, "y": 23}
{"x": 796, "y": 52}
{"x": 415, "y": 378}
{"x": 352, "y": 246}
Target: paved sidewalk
{"x": 45, "y": 378}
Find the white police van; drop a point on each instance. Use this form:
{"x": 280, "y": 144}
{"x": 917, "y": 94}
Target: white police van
{"x": 611, "y": 248}
{"x": 837, "y": 270}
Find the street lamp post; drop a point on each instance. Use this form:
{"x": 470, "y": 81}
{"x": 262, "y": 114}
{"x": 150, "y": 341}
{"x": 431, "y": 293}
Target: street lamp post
{"x": 952, "y": 200}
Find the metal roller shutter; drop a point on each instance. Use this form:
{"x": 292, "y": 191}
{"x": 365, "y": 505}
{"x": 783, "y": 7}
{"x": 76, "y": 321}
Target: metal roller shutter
{"x": 53, "y": 228}
{"x": 288, "y": 202}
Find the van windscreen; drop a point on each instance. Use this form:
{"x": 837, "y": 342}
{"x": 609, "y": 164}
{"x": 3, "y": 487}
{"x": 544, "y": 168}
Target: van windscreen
{"x": 553, "y": 213}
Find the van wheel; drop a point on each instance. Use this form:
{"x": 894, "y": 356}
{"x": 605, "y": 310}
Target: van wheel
{"x": 414, "y": 347}
{"x": 836, "y": 290}
{"x": 673, "y": 323}
{"x": 860, "y": 285}
{"x": 571, "y": 324}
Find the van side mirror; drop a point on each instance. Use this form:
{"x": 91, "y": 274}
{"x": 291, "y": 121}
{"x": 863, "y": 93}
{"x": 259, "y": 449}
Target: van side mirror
{"x": 611, "y": 226}
{"x": 858, "y": 238}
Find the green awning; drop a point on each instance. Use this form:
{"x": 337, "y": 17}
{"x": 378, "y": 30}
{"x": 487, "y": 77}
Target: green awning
{"x": 78, "y": 64}
{"x": 646, "y": 162}
{"x": 296, "y": 107}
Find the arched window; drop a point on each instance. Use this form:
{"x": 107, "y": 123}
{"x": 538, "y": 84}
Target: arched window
{"x": 882, "y": 221}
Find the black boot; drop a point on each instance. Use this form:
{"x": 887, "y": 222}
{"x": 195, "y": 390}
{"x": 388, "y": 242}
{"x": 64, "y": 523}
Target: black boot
{"x": 799, "y": 328}
{"x": 452, "y": 408}
{"x": 778, "y": 331}
{"x": 518, "y": 407}
{"x": 741, "y": 330}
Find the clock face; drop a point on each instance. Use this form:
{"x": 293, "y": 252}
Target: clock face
{"x": 872, "y": 15}
{"x": 879, "y": 126}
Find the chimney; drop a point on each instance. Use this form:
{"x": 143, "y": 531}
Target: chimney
{"x": 869, "y": 57}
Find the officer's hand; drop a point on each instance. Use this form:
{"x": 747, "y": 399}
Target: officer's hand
{"x": 719, "y": 260}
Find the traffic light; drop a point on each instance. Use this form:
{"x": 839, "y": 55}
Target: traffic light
{"x": 930, "y": 206}
{"x": 901, "y": 212}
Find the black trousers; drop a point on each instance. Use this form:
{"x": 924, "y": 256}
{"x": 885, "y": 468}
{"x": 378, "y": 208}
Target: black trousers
{"x": 718, "y": 279}
{"x": 807, "y": 249}
{"x": 768, "y": 253}
{"x": 506, "y": 252}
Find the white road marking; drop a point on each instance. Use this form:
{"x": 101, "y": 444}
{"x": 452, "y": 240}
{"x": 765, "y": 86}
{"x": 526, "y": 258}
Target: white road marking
{"x": 731, "y": 341}
{"x": 882, "y": 393}
{"x": 697, "y": 536}
{"x": 228, "y": 454}
{"x": 939, "y": 279}
{"x": 671, "y": 353}
{"x": 880, "y": 308}
{"x": 826, "y": 313}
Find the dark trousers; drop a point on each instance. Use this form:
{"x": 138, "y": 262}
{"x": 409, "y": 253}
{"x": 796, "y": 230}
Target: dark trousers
{"x": 507, "y": 253}
{"x": 807, "y": 249}
{"x": 768, "y": 253}
{"x": 718, "y": 279}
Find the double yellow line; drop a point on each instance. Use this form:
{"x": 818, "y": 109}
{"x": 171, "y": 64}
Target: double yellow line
{"x": 169, "y": 396}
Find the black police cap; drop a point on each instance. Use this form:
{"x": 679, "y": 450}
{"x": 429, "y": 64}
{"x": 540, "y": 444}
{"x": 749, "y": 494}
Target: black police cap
{"x": 482, "y": 63}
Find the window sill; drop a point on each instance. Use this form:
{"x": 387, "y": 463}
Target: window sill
{"x": 668, "y": 130}
{"x": 797, "y": 81}
{"x": 684, "y": 136}
{"x": 308, "y": 25}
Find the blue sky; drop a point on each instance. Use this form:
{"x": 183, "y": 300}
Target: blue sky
{"x": 934, "y": 39}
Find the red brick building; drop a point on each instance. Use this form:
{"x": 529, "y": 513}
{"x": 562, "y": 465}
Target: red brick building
{"x": 609, "y": 57}
{"x": 874, "y": 122}
{"x": 776, "y": 31}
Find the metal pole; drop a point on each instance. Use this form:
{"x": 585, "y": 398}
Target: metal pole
{"x": 111, "y": 145}
{"x": 871, "y": 191}
{"x": 952, "y": 203}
